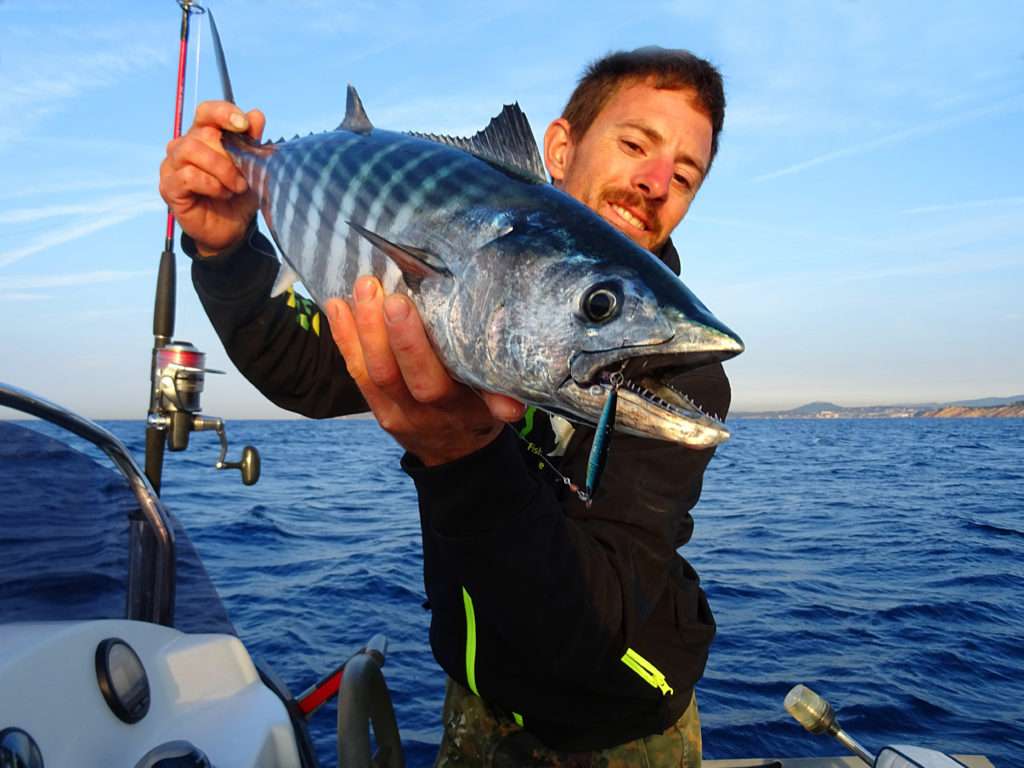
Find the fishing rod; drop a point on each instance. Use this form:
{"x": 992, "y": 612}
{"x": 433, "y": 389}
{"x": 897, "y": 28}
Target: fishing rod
{"x": 177, "y": 369}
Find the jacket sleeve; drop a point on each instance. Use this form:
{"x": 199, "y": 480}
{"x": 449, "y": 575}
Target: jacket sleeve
{"x": 575, "y": 585}
{"x": 282, "y": 345}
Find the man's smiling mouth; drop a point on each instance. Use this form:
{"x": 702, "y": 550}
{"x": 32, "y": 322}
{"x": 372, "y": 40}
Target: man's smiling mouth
{"x": 629, "y": 217}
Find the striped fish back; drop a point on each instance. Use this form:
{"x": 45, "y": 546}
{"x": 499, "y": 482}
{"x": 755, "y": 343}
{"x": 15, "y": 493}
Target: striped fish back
{"x": 389, "y": 183}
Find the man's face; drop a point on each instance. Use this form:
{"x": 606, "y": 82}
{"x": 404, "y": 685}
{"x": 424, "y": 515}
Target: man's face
{"x": 639, "y": 164}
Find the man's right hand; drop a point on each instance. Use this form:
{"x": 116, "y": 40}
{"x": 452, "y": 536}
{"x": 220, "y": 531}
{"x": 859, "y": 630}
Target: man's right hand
{"x": 207, "y": 195}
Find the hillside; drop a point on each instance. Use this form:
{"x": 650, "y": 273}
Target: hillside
{"x": 985, "y": 408}
{"x": 1014, "y": 411}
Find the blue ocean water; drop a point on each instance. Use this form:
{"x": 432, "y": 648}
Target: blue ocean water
{"x": 879, "y": 562}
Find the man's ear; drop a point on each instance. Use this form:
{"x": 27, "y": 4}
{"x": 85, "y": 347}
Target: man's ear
{"x": 558, "y": 148}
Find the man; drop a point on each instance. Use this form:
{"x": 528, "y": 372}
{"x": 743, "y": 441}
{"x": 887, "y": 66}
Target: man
{"x": 570, "y": 635}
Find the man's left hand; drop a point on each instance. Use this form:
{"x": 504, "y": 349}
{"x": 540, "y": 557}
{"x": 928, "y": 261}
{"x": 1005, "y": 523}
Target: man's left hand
{"x": 388, "y": 354}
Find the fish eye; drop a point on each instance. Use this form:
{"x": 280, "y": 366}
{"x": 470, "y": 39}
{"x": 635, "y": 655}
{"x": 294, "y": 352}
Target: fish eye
{"x": 602, "y": 302}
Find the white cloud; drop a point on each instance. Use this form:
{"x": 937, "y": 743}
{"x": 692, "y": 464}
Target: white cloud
{"x": 975, "y": 264}
{"x": 38, "y": 80}
{"x": 49, "y": 189}
{"x": 998, "y": 202}
{"x": 74, "y": 232}
{"x": 91, "y": 208}
{"x": 932, "y": 126}
{"x": 33, "y": 282}
{"x": 24, "y": 296}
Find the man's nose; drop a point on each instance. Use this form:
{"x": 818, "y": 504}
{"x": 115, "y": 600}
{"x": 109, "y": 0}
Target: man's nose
{"x": 654, "y": 177}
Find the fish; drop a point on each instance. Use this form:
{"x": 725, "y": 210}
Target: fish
{"x": 522, "y": 289}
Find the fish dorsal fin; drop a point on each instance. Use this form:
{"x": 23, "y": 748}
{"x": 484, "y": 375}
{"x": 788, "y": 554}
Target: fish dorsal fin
{"x": 355, "y": 116}
{"x": 506, "y": 142}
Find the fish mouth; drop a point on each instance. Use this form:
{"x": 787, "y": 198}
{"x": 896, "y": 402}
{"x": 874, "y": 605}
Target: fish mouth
{"x": 650, "y": 402}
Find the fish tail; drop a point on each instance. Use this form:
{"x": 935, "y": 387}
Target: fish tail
{"x": 222, "y": 65}
{"x": 237, "y": 144}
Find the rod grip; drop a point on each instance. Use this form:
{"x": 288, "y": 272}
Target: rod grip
{"x": 155, "y": 456}
{"x": 163, "y": 307}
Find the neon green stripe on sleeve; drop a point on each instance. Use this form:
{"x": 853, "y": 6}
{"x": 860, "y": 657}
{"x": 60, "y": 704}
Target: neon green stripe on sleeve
{"x": 470, "y": 641}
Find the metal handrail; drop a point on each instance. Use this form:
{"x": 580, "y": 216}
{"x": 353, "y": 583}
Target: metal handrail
{"x": 151, "y": 564}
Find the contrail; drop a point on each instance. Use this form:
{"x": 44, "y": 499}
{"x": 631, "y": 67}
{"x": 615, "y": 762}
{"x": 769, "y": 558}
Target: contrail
{"x": 77, "y": 185}
{"x": 74, "y": 233}
{"x": 995, "y": 202}
{"x": 35, "y": 282}
{"x": 892, "y": 138}
{"x": 92, "y": 208}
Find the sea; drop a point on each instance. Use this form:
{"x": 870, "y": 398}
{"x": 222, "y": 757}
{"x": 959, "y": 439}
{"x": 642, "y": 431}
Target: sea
{"x": 879, "y": 562}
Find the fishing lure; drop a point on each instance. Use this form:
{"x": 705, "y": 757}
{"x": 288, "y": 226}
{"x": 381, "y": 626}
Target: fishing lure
{"x": 602, "y": 439}
{"x": 598, "y": 450}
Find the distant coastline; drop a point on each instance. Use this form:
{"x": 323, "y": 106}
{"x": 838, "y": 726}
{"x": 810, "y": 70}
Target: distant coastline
{"x": 987, "y": 408}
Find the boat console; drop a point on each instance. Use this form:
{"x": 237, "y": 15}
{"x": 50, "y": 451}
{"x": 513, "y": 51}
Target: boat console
{"x": 111, "y": 692}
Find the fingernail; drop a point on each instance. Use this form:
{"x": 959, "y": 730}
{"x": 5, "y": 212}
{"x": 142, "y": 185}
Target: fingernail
{"x": 396, "y": 309}
{"x": 366, "y": 289}
{"x": 512, "y": 412}
{"x": 239, "y": 121}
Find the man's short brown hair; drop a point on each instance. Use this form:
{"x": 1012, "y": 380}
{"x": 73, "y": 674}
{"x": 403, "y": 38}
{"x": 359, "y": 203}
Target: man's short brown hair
{"x": 673, "y": 69}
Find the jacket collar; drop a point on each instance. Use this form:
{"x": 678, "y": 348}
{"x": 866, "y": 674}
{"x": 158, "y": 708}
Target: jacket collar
{"x": 670, "y": 256}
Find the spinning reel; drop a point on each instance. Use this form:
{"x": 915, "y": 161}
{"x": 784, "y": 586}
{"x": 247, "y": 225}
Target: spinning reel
{"x": 179, "y": 372}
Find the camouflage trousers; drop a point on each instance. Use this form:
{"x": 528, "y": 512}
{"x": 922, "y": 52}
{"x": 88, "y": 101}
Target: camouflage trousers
{"x": 475, "y": 737}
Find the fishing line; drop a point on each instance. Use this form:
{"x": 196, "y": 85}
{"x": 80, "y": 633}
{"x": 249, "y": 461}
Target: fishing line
{"x": 598, "y": 448}
{"x": 188, "y": 9}
{"x": 537, "y": 451}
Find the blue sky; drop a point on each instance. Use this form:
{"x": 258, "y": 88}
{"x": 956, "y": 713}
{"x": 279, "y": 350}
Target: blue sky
{"x": 862, "y": 229}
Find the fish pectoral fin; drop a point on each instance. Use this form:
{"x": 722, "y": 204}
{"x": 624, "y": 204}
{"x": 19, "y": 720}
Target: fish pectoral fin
{"x": 286, "y": 278}
{"x": 415, "y": 263}
{"x": 355, "y": 116}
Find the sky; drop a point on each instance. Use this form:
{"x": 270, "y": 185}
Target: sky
{"x": 862, "y": 228}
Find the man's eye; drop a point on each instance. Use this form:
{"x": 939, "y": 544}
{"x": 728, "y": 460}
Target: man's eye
{"x": 683, "y": 181}
{"x": 632, "y": 146}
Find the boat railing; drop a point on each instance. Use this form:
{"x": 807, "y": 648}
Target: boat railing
{"x": 151, "y": 563}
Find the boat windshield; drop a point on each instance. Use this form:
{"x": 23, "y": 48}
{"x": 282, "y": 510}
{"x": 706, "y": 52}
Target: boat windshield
{"x": 64, "y": 540}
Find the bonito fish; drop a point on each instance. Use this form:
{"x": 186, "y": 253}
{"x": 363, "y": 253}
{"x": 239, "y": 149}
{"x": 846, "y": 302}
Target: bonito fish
{"x": 523, "y": 290}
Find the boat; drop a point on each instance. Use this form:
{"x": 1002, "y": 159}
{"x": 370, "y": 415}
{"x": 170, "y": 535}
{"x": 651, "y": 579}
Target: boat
{"x": 157, "y": 677}
{"x": 165, "y": 682}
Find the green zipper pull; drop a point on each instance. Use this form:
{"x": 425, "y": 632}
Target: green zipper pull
{"x": 647, "y": 671}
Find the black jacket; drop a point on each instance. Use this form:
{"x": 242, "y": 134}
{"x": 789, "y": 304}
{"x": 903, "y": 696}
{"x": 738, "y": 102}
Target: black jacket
{"x": 559, "y": 616}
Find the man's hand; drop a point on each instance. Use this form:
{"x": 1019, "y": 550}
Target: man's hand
{"x": 207, "y": 195}
{"x": 387, "y": 352}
